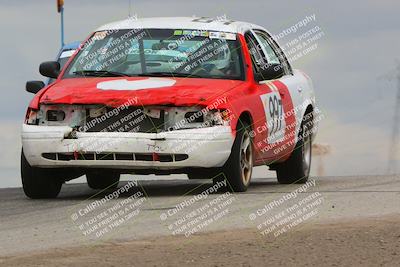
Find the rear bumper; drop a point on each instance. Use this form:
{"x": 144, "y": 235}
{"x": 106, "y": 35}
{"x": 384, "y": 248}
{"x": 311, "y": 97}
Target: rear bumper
{"x": 47, "y": 146}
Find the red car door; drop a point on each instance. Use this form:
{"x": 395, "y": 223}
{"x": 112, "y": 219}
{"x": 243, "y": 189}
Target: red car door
{"x": 275, "y": 127}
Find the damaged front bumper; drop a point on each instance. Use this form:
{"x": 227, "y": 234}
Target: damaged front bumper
{"x": 52, "y": 147}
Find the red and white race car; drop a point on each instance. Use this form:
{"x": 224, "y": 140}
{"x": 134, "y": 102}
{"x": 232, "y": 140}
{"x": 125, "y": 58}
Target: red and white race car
{"x": 209, "y": 98}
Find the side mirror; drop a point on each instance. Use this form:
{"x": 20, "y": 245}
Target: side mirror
{"x": 270, "y": 72}
{"x": 34, "y": 86}
{"x": 50, "y": 69}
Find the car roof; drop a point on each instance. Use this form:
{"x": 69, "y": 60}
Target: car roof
{"x": 190, "y": 23}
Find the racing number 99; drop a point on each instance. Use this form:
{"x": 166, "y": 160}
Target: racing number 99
{"x": 275, "y": 112}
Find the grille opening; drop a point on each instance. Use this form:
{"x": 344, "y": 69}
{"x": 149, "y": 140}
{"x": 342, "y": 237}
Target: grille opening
{"x": 115, "y": 156}
{"x": 65, "y": 157}
{"x": 144, "y": 157}
{"x": 104, "y": 156}
{"x": 181, "y": 157}
{"x": 124, "y": 156}
{"x": 52, "y": 156}
{"x": 86, "y": 156}
{"x": 165, "y": 158}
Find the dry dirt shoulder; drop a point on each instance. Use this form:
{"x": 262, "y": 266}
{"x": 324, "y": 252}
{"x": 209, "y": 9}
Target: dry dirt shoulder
{"x": 372, "y": 242}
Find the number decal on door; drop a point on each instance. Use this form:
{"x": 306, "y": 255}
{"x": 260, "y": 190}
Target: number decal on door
{"x": 274, "y": 113}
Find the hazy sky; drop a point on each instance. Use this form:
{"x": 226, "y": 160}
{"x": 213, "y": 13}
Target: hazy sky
{"x": 360, "y": 44}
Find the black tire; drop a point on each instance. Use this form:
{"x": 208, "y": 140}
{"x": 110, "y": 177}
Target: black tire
{"x": 239, "y": 166}
{"x": 102, "y": 179}
{"x": 39, "y": 182}
{"x": 296, "y": 169}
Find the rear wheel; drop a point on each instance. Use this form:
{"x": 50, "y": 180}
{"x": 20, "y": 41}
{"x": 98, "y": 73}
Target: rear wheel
{"x": 239, "y": 167}
{"x": 296, "y": 169}
{"x": 39, "y": 182}
{"x": 102, "y": 179}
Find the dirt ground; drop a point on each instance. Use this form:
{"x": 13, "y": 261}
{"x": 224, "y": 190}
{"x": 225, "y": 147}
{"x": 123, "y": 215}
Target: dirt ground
{"x": 371, "y": 242}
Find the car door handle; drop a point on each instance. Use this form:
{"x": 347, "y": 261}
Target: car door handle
{"x": 299, "y": 89}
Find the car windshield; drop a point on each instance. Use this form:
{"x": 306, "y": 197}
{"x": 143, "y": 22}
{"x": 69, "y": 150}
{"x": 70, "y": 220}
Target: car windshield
{"x": 154, "y": 52}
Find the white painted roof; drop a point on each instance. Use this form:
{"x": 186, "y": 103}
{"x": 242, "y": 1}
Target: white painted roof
{"x": 189, "y": 23}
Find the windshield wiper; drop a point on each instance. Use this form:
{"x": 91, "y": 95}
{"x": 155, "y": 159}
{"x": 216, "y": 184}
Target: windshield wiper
{"x": 100, "y": 73}
{"x": 170, "y": 74}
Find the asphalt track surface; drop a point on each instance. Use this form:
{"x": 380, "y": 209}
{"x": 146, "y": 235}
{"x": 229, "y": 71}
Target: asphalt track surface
{"x": 37, "y": 225}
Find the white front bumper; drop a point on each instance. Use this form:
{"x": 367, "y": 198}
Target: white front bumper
{"x": 205, "y": 147}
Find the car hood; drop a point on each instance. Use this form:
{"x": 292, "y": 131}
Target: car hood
{"x": 141, "y": 90}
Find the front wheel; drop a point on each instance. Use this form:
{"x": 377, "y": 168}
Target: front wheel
{"x": 239, "y": 167}
{"x": 38, "y": 182}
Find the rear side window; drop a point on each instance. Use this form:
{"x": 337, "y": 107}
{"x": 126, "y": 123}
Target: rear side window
{"x": 271, "y": 56}
{"x": 255, "y": 52}
{"x": 275, "y": 54}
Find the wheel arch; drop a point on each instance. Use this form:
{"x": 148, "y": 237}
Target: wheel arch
{"x": 310, "y": 110}
{"x": 244, "y": 117}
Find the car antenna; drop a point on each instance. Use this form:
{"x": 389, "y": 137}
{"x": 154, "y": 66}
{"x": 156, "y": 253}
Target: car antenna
{"x": 129, "y": 9}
